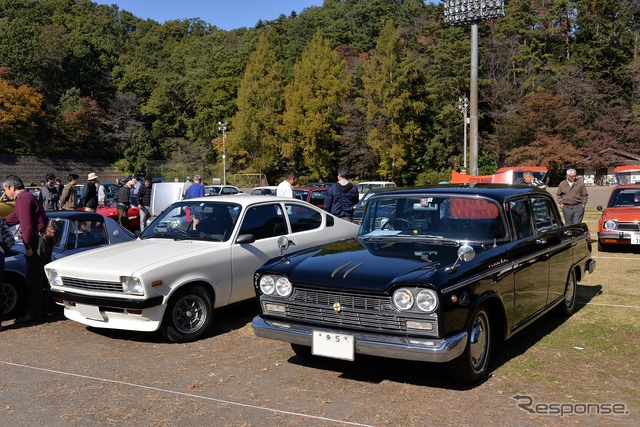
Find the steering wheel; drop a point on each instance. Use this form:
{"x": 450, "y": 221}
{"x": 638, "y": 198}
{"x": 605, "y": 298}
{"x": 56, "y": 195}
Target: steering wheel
{"x": 181, "y": 232}
{"x": 400, "y": 222}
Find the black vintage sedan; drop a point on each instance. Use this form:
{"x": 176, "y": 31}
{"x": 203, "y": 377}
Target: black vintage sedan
{"x": 442, "y": 276}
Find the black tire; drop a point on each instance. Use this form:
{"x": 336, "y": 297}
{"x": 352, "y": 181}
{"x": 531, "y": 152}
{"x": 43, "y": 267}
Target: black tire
{"x": 189, "y": 316}
{"x": 568, "y": 304}
{"x": 302, "y": 351}
{"x": 473, "y": 364}
{"x": 14, "y": 297}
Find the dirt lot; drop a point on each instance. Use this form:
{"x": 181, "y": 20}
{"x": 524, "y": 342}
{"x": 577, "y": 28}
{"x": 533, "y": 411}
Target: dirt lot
{"x": 61, "y": 373}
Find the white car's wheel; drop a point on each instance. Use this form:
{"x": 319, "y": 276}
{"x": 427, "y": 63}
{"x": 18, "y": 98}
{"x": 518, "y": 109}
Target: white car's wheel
{"x": 189, "y": 316}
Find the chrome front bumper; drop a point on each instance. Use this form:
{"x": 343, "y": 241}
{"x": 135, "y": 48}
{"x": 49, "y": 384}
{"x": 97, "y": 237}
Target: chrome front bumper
{"x": 420, "y": 349}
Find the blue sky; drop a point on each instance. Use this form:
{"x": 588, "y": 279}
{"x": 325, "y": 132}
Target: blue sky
{"x": 226, "y": 15}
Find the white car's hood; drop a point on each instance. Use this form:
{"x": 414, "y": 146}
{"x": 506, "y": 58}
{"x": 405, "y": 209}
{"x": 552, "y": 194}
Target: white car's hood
{"x": 130, "y": 258}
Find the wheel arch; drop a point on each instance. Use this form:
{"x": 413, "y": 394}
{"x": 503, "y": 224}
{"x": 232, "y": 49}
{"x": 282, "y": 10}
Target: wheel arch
{"x": 497, "y": 315}
{"x": 190, "y": 285}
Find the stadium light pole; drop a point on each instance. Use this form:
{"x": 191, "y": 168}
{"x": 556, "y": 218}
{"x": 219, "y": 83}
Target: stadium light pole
{"x": 222, "y": 127}
{"x": 463, "y": 12}
{"x": 463, "y": 105}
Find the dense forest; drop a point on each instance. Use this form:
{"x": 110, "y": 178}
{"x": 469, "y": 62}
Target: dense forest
{"x": 371, "y": 84}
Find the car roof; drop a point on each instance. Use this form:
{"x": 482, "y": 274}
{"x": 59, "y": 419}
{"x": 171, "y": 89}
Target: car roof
{"x": 313, "y": 188}
{"x": 498, "y": 192}
{"x": 245, "y": 200}
{"x": 75, "y": 215}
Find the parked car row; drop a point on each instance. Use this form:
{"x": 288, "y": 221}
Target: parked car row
{"x": 439, "y": 274}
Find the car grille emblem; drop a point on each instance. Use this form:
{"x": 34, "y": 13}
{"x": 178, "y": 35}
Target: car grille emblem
{"x": 337, "y": 307}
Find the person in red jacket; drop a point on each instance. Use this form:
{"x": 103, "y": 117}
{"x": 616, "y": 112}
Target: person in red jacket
{"x": 30, "y": 214}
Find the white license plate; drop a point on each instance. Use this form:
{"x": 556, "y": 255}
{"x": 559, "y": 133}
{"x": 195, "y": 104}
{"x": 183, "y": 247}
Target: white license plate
{"x": 90, "y": 312}
{"x": 329, "y": 344}
{"x": 635, "y": 239}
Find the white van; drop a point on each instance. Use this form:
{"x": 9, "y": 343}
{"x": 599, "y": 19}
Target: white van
{"x": 364, "y": 187}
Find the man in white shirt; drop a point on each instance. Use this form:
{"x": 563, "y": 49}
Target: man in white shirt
{"x": 285, "y": 188}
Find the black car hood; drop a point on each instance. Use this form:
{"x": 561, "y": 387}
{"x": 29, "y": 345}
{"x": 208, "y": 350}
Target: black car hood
{"x": 372, "y": 267}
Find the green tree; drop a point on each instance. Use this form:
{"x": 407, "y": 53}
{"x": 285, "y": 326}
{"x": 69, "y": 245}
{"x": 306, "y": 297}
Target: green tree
{"x": 394, "y": 106}
{"x": 260, "y": 104}
{"x": 313, "y": 114}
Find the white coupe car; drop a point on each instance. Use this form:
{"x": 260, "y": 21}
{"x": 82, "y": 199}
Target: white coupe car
{"x": 199, "y": 254}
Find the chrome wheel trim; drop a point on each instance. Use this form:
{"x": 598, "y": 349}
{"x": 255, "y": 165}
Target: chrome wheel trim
{"x": 479, "y": 342}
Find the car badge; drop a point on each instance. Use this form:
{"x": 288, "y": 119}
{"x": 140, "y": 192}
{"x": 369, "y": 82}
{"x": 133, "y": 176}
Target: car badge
{"x": 337, "y": 307}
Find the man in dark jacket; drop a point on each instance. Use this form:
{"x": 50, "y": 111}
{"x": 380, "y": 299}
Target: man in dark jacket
{"x": 89, "y": 197}
{"x": 123, "y": 201}
{"x": 342, "y": 196}
{"x": 144, "y": 201}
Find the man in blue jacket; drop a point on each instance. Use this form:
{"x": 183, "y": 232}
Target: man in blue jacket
{"x": 342, "y": 196}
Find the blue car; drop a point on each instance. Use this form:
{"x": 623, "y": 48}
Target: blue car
{"x": 77, "y": 231}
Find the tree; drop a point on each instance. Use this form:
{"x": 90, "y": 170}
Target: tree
{"x": 313, "y": 115}
{"x": 393, "y": 104}
{"x": 260, "y": 102}
{"x": 20, "y": 108}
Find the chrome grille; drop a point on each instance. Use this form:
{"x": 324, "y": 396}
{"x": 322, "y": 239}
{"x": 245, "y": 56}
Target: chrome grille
{"x": 366, "y": 313}
{"x": 92, "y": 285}
{"x": 629, "y": 226}
{"x": 346, "y": 300}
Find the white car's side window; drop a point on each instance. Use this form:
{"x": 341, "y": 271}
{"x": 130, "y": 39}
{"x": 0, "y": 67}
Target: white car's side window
{"x": 303, "y": 218}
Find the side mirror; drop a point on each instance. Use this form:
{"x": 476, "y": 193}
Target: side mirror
{"x": 284, "y": 243}
{"x": 465, "y": 253}
{"x": 245, "y": 238}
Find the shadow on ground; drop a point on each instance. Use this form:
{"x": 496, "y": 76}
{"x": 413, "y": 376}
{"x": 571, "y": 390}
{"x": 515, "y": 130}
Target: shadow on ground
{"x": 226, "y": 319}
{"x": 377, "y": 369}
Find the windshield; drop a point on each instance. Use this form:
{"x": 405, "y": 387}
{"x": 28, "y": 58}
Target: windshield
{"x": 627, "y": 197}
{"x": 438, "y": 216}
{"x": 195, "y": 221}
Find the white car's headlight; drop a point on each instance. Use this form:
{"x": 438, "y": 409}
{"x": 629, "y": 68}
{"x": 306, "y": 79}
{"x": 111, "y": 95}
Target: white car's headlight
{"x": 403, "y": 299}
{"x": 427, "y": 300}
{"x": 610, "y": 225}
{"x": 131, "y": 285}
{"x": 54, "y": 278}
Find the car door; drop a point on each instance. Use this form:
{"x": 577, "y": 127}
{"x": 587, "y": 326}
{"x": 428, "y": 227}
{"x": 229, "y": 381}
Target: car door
{"x": 547, "y": 227}
{"x": 266, "y": 222}
{"x": 530, "y": 255}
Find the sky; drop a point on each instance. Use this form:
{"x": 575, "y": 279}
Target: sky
{"x": 224, "y": 14}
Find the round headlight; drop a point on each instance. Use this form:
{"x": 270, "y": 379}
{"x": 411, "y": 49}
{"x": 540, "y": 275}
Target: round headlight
{"x": 610, "y": 225}
{"x": 403, "y": 299}
{"x": 267, "y": 285}
{"x": 427, "y": 300}
{"x": 283, "y": 287}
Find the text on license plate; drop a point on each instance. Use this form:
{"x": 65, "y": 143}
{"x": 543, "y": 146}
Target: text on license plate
{"x": 330, "y": 344}
{"x": 635, "y": 239}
